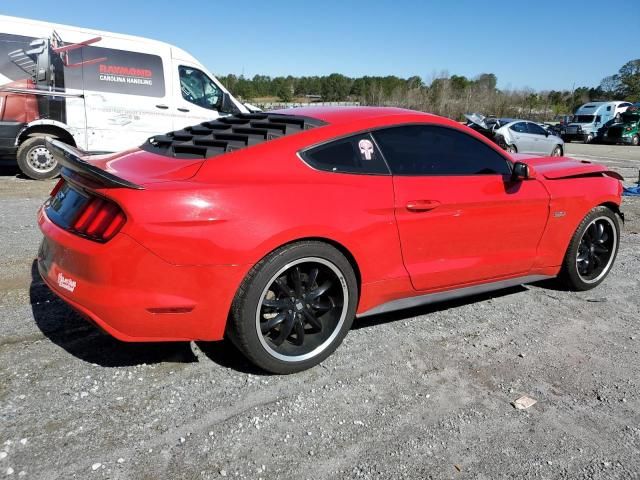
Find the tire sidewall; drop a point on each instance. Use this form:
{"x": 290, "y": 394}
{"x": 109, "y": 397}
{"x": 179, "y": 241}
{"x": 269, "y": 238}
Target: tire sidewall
{"x": 23, "y": 162}
{"x": 243, "y": 330}
{"x": 570, "y": 269}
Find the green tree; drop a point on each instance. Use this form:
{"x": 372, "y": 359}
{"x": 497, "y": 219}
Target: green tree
{"x": 335, "y": 87}
{"x": 629, "y": 77}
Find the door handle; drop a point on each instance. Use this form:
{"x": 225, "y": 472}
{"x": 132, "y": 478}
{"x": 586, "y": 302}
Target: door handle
{"x": 162, "y": 106}
{"x": 180, "y": 109}
{"x": 422, "y": 205}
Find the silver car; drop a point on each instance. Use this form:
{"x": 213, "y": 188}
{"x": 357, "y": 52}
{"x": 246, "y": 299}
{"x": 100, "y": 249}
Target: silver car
{"x": 522, "y": 136}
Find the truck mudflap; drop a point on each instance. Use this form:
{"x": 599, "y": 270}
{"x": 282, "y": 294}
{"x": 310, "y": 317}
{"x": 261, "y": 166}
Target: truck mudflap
{"x": 74, "y": 162}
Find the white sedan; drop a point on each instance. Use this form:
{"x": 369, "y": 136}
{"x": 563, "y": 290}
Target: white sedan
{"x": 521, "y": 136}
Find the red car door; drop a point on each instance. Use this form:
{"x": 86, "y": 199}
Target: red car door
{"x": 461, "y": 219}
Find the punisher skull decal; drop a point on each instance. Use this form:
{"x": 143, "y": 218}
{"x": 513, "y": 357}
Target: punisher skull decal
{"x": 366, "y": 149}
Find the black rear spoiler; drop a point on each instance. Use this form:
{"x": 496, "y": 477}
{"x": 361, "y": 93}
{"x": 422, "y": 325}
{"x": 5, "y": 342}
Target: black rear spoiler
{"x": 73, "y": 162}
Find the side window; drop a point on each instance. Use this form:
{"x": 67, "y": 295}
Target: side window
{"x": 198, "y": 88}
{"x": 598, "y": 118}
{"x": 356, "y": 154}
{"x": 535, "y": 129}
{"x": 519, "y": 127}
{"x": 432, "y": 150}
{"x": 608, "y": 108}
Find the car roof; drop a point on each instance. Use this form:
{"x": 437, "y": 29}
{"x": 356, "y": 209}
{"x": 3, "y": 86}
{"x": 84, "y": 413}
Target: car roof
{"x": 338, "y": 114}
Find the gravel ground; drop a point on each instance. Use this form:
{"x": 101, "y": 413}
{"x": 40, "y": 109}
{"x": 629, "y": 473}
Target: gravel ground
{"x": 424, "y": 393}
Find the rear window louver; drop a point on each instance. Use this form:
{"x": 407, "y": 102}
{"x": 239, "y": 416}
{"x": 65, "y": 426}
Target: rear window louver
{"x": 227, "y": 134}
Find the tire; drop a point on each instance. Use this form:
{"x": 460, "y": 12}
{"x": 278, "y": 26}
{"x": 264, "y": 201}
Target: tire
{"x": 557, "y": 151}
{"x": 270, "y": 322}
{"x": 589, "y": 138}
{"x": 35, "y": 161}
{"x": 512, "y": 149}
{"x": 584, "y": 245}
{"x": 635, "y": 140}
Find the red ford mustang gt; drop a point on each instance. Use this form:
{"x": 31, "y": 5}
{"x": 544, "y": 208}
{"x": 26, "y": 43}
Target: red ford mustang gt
{"x": 277, "y": 229}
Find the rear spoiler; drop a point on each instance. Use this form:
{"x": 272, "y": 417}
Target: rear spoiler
{"x": 73, "y": 161}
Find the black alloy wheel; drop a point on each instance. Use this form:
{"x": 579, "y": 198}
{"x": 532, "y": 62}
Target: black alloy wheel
{"x": 596, "y": 249}
{"x": 301, "y": 309}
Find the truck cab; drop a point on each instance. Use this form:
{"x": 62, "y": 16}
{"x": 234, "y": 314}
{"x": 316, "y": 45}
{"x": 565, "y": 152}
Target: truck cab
{"x": 592, "y": 119}
{"x": 627, "y": 130}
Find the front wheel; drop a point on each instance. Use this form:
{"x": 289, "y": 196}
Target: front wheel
{"x": 512, "y": 149}
{"x": 35, "y": 160}
{"x": 635, "y": 140}
{"x": 589, "y": 138}
{"x": 592, "y": 250}
{"x": 557, "y": 151}
{"x": 294, "y": 307}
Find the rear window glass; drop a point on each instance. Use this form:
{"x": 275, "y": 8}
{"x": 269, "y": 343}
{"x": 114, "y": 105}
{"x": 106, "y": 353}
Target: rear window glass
{"x": 356, "y": 154}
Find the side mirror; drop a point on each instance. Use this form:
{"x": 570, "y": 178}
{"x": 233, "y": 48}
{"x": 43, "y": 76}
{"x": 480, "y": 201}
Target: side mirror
{"x": 521, "y": 171}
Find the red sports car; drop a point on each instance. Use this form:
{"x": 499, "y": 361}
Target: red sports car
{"x": 278, "y": 229}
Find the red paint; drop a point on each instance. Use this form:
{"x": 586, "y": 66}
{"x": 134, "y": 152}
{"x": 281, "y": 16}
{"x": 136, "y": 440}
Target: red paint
{"x": 196, "y": 229}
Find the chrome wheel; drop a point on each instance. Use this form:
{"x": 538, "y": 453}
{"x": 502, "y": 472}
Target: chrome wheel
{"x": 41, "y": 159}
{"x": 302, "y": 309}
{"x": 511, "y": 149}
{"x": 557, "y": 152}
{"x": 596, "y": 250}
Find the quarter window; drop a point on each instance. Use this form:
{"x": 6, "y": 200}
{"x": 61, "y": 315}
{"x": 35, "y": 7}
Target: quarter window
{"x": 199, "y": 89}
{"x": 356, "y": 154}
{"x": 432, "y": 150}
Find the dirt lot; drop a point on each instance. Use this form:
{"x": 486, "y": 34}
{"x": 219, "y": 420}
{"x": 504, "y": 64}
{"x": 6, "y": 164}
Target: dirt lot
{"x": 418, "y": 394}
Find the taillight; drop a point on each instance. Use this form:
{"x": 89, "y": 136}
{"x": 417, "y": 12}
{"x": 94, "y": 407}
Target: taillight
{"x": 100, "y": 220}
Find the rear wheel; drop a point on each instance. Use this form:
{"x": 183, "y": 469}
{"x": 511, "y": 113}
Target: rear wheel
{"x": 635, "y": 140}
{"x": 592, "y": 250}
{"x": 557, "y": 151}
{"x": 294, "y": 307}
{"x": 35, "y": 160}
{"x": 512, "y": 149}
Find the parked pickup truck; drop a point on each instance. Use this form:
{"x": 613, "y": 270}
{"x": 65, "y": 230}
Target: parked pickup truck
{"x": 627, "y": 130}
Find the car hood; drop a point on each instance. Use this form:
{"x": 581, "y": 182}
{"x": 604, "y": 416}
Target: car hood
{"x": 554, "y": 168}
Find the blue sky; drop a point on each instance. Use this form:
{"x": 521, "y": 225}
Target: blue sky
{"x": 541, "y": 45}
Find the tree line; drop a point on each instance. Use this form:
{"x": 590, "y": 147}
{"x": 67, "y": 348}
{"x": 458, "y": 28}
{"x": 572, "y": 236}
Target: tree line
{"x": 443, "y": 94}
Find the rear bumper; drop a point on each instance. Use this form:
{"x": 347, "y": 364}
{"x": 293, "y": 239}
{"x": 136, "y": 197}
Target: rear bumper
{"x": 132, "y": 294}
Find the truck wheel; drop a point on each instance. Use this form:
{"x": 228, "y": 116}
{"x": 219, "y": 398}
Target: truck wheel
{"x": 635, "y": 140}
{"x": 35, "y": 161}
{"x": 294, "y": 307}
{"x": 589, "y": 138}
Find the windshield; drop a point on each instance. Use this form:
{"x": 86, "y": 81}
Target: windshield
{"x": 630, "y": 117}
{"x": 583, "y": 119}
